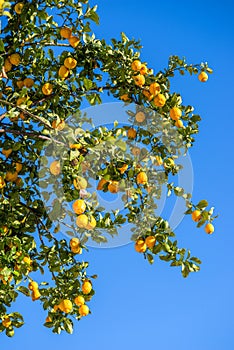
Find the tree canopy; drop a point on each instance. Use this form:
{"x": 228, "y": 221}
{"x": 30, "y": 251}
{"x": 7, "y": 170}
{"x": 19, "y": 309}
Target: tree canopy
{"x": 55, "y": 159}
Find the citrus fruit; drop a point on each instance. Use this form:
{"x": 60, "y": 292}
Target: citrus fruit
{"x": 196, "y": 215}
{"x": 86, "y": 287}
{"x": 209, "y": 228}
{"x": 82, "y": 221}
{"x": 79, "y": 206}
{"x": 203, "y": 77}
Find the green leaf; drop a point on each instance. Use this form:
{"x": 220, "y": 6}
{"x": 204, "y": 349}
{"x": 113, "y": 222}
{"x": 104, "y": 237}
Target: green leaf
{"x": 202, "y": 204}
{"x": 150, "y": 258}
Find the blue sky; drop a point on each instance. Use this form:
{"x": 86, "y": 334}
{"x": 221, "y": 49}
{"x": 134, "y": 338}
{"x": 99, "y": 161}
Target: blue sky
{"x": 141, "y": 306}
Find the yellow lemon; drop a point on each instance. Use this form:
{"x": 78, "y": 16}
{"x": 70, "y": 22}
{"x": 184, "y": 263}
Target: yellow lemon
{"x": 86, "y": 287}
{"x": 70, "y": 62}
{"x": 141, "y": 178}
{"x": 154, "y": 89}
{"x": 150, "y": 241}
{"x": 175, "y": 113}
{"x": 82, "y": 220}
{"x": 55, "y": 167}
{"x": 28, "y": 82}
{"x": 47, "y": 89}
{"x": 196, "y": 215}
{"x": 209, "y": 228}
{"x": 83, "y": 310}
{"x": 63, "y": 72}
{"x": 74, "y": 41}
{"x": 136, "y": 65}
{"x": 203, "y": 77}
{"x": 79, "y": 206}
{"x": 65, "y": 32}
{"x": 160, "y": 100}
{"x": 18, "y": 8}
{"x": 14, "y": 59}
{"x": 79, "y": 300}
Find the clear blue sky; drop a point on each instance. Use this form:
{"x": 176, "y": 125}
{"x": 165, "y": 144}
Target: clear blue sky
{"x": 138, "y": 306}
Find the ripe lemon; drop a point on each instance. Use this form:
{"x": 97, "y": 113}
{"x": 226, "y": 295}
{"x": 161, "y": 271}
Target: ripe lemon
{"x": 154, "y": 89}
{"x": 175, "y": 113}
{"x": 65, "y": 306}
{"x": 77, "y": 250}
{"x": 101, "y": 183}
{"x": 18, "y": 8}
{"x": 7, "y": 65}
{"x": 47, "y": 89}
{"x": 82, "y": 221}
{"x": 65, "y": 32}
{"x": 141, "y": 178}
{"x": 140, "y": 117}
{"x": 14, "y": 59}
{"x": 86, "y": 287}
{"x": 79, "y": 300}
{"x": 55, "y": 167}
{"x": 113, "y": 187}
{"x": 28, "y": 82}
{"x": 33, "y": 285}
{"x": 209, "y": 228}
{"x": 70, "y": 62}
{"x": 150, "y": 241}
{"x": 131, "y": 133}
{"x": 203, "y": 77}
{"x": 35, "y": 295}
{"x": 74, "y": 242}
{"x": 148, "y": 95}
{"x": 160, "y": 100}
{"x": 196, "y": 215}
{"x": 79, "y": 206}
{"x": 92, "y": 223}
{"x": 6, "y": 322}
{"x": 136, "y": 65}
{"x": 139, "y": 80}
{"x": 140, "y": 245}
{"x": 63, "y": 72}
{"x": 143, "y": 69}
{"x": 179, "y": 124}
{"x": 74, "y": 41}
{"x": 83, "y": 310}
{"x": 80, "y": 183}
{"x": 11, "y": 177}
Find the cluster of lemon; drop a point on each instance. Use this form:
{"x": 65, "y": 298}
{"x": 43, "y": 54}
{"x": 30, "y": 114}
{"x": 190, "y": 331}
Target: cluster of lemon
{"x": 142, "y": 244}
{"x": 66, "y": 33}
{"x": 66, "y": 305}
{"x": 197, "y": 215}
{"x": 83, "y": 220}
{"x": 12, "y": 60}
{"x": 68, "y": 64}
{"x": 33, "y": 286}
{"x": 11, "y": 176}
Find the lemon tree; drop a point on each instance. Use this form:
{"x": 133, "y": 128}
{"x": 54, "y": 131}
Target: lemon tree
{"x": 51, "y": 64}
